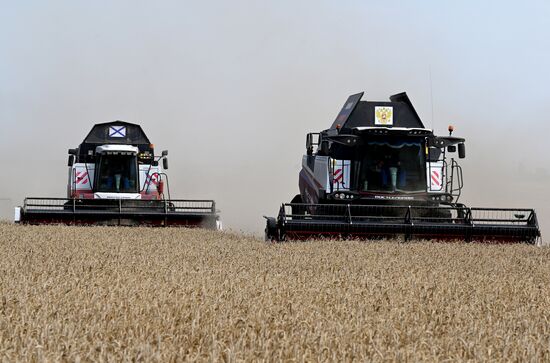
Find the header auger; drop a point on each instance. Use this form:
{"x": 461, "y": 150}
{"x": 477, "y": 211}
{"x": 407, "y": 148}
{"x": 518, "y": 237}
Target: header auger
{"x": 377, "y": 172}
{"x": 115, "y": 179}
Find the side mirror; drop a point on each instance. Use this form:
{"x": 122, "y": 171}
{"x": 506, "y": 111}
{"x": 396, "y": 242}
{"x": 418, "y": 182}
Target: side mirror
{"x": 164, "y": 153}
{"x": 73, "y": 151}
{"x": 451, "y": 148}
{"x": 461, "y": 150}
{"x": 309, "y": 146}
{"x": 70, "y": 162}
{"x": 165, "y": 164}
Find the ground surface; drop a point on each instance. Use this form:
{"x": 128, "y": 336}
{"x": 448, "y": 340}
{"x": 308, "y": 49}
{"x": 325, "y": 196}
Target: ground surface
{"x": 167, "y": 294}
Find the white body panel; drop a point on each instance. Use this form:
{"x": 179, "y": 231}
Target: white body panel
{"x": 116, "y": 148}
{"x": 81, "y": 178}
{"x": 320, "y": 170}
{"x": 360, "y": 128}
{"x": 117, "y": 196}
{"x": 435, "y": 176}
{"x": 340, "y": 174}
{"x": 17, "y": 215}
{"x": 149, "y": 176}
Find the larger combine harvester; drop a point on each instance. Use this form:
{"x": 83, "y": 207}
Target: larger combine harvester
{"x": 377, "y": 172}
{"x": 115, "y": 178}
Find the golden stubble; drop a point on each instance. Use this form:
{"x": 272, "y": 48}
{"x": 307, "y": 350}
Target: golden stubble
{"x": 140, "y": 294}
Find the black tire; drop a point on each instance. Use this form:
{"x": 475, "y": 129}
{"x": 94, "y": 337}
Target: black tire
{"x": 271, "y": 230}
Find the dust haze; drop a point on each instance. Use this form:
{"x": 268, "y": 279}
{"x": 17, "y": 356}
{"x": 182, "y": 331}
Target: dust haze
{"x": 231, "y": 89}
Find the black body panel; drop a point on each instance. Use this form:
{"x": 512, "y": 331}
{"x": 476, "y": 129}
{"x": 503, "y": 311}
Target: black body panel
{"x": 356, "y": 113}
{"x": 115, "y": 132}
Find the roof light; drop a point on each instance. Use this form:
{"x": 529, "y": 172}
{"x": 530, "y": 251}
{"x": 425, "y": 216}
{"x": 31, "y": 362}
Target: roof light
{"x": 451, "y": 128}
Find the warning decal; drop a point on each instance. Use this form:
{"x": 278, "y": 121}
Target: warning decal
{"x": 340, "y": 174}
{"x": 436, "y": 178}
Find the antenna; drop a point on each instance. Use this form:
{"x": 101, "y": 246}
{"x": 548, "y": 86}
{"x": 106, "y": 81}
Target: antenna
{"x": 431, "y": 95}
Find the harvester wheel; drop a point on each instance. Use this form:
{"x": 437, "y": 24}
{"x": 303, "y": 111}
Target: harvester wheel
{"x": 271, "y": 230}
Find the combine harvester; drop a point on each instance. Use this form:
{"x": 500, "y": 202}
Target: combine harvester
{"x": 115, "y": 179}
{"x": 377, "y": 172}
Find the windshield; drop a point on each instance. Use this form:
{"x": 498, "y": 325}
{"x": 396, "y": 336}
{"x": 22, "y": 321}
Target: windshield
{"x": 117, "y": 174}
{"x": 393, "y": 165}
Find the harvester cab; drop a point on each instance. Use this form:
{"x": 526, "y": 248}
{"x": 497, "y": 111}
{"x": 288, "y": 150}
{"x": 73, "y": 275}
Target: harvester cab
{"x": 379, "y": 172}
{"x": 116, "y": 161}
{"x": 380, "y": 159}
{"x": 115, "y": 178}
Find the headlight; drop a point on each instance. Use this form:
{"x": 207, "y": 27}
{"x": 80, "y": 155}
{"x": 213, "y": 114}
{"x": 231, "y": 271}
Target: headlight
{"x": 343, "y": 196}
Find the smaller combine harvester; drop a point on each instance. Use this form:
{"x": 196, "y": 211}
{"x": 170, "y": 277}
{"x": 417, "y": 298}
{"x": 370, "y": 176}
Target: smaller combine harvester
{"x": 115, "y": 179}
{"x": 377, "y": 172}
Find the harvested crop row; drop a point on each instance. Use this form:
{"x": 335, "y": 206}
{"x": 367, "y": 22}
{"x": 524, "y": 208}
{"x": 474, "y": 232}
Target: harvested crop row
{"x": 171, "y": 294}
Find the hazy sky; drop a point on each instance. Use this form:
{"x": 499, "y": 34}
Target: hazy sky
{"x": 231, "y": 88}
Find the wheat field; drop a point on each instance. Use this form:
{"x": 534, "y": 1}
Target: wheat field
{"x": 139, "y": 294}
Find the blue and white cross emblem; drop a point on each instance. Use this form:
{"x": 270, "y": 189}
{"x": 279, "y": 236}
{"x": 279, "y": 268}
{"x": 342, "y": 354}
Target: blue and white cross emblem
{"x": 117, "y": 131}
